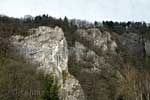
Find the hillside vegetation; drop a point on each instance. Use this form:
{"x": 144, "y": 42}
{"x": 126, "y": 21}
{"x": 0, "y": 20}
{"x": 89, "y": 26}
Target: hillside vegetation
{"x": 131, "y": 81}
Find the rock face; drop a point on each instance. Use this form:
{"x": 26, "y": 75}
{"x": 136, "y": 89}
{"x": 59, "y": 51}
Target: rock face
{"x": 86, "y": 56}
{"x": 90, "y": 63}
{"x": 48, "y": 48}
{"x": 100, "y": 41}
{"x": 93, "y": 72}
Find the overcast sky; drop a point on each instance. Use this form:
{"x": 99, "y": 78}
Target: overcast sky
{"x": 116, "y": 10}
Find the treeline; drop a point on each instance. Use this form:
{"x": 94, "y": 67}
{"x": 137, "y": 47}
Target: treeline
{"x": 10, "y": 25}
{"x": 140, "y": 28}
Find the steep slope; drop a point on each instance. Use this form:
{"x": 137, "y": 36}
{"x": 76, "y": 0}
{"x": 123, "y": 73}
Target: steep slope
{"x": 97, "y": 66}
{"x": 47, "y": 47}
{"x": 110, "y": 66}
{"x": 92, "y": 61}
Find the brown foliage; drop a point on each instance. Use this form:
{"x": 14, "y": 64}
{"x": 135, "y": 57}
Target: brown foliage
{"x": 134, "y": 84}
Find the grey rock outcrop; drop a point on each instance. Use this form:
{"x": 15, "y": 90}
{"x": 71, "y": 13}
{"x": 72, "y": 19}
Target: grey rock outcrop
{"x": 90, "y": 63}
{"x": 94, "y": 38}
{"x": 93, "y": 71}
{"x": 48, "y": 48}
{"x": 86, "y": 56}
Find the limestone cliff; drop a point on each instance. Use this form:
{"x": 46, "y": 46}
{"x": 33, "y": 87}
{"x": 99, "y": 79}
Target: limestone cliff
{"x": 47, "y": 47}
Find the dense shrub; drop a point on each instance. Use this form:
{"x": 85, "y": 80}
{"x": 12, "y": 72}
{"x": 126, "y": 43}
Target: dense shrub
{"x": 50, "y": 89}
{"x": 134, "y": 84}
